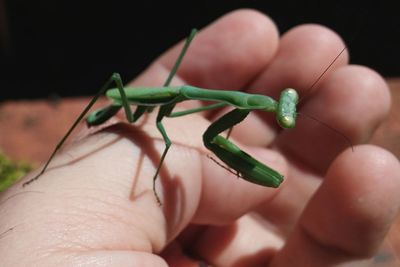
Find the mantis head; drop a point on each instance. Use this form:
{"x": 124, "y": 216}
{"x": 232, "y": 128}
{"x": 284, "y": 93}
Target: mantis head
{"x": 286, "y": 111}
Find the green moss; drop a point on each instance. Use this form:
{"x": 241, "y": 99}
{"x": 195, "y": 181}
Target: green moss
{"x": 11, "y": 171}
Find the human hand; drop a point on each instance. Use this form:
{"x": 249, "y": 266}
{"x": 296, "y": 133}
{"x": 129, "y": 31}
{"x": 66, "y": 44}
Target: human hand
{"x": 95, "y": 207}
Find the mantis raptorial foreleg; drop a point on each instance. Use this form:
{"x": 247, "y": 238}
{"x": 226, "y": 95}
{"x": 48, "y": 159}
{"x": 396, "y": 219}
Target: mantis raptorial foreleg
{"x": 245, "y": 165}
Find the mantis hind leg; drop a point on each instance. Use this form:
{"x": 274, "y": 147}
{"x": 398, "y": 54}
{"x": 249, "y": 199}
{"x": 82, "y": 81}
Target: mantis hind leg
{"x": 106, "y": 112}
{"x": 163, "y": 111}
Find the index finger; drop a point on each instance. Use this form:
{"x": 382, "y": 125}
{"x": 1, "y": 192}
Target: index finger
{"x": 225, "y": 55}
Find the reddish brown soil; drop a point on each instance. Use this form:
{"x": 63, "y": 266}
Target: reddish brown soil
{"x": 29, "y": 130}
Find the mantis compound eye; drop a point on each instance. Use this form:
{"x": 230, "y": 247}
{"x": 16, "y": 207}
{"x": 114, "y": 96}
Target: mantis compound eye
{"x": 287, "y": 122}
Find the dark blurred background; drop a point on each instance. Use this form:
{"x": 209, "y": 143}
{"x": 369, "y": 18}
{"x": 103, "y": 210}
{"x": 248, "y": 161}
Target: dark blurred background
{"x": 64, "y": 48}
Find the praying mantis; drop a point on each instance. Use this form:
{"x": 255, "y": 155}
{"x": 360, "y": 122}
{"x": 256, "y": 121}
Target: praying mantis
{"x": 166, "y": 97}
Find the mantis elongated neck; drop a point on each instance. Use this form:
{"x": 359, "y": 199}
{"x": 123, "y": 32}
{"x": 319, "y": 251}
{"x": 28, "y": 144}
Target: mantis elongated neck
{"x": 233, "y": 98}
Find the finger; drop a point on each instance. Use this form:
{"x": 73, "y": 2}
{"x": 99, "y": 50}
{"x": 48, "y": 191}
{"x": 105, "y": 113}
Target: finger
{"x": 305, "y": 53}
{"x": 247, "y": 242}
{"x": 227, "y": 54}
{"x": 352, "y": 102}
{"x": 348, "y": 217}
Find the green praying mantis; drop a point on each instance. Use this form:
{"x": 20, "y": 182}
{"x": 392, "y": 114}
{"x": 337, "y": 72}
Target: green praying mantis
{"x": 166, "y": 97}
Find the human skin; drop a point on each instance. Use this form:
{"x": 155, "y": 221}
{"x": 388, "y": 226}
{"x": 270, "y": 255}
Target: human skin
{"x": 95, "y": 206}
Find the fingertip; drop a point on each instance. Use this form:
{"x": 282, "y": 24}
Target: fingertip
{"x": 359, "y": 89}
{"x": 237, "y": 45}
{"x": 369, "y": 176}
{"x": 310, "y": 35}
{"x": 317, "y": 41}
{"x": 348, "y": 217}
{"x": 306, "y": 53}
{"x": 248, "y": 21}
{"x": 357, "y": 202}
